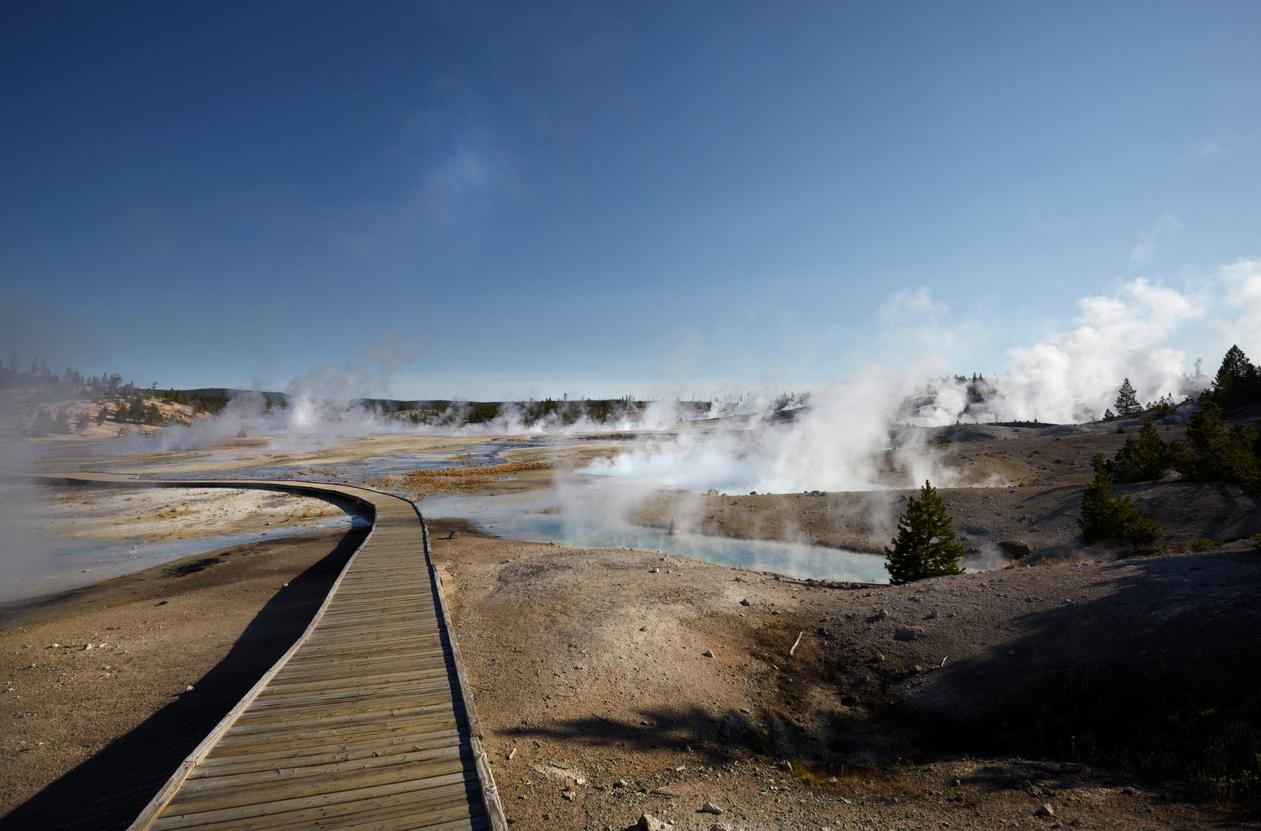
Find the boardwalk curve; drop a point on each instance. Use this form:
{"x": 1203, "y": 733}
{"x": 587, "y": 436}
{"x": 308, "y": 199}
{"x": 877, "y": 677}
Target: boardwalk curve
{"x": 366, "y": 722}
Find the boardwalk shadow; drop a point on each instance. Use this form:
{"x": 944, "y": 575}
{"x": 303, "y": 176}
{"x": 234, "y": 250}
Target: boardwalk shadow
{"x": 110, "y": 789}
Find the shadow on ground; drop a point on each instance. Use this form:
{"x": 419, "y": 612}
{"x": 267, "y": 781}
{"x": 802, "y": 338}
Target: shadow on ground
{"x": 1157, "y": 677}
{"x": 110, "y": 789}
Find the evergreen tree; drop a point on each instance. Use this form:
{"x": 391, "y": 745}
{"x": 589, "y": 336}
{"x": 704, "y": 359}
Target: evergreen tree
{"x": 1219, "y": 453}
{"x": 1104, "y": 517}
{"x": 62, "y": 424}
{"x": 925, "y": 545}
{"x": 102, "y": 414}
{"x": 1145, "y": 458}
{"x": 81, "y": 421}
{"x": 136, "y": 412}
{"x": 1237, "y": 383}
{"x": 1127, "y": 400}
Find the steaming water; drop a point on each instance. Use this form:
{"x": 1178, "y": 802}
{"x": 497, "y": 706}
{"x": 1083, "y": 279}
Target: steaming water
{"x": 538, "y": 519}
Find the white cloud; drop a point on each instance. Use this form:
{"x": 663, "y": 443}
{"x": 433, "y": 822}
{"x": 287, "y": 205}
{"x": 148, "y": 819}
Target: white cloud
{"x": 1145, "y": 248}
{"x": 1241, "y": 291}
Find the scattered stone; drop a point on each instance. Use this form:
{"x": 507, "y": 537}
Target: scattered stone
{"x": 621, "y": 783}
{"x": 907, "y": 633}
{"x": 654, "y": 570}
{"x": 745, "y": 602}
{"x": 189, "y": 688}
{"x": 647, "y": 822}
{"x": 880, "y": 614}
{"x": 1045, "y": 811}
{"x": 570, "y": 795}
{"x": 708, "y": 653}
{"x": 709, "y": 808}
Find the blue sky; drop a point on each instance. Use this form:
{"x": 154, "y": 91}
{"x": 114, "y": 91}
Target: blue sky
{"x": 596, "y": 198}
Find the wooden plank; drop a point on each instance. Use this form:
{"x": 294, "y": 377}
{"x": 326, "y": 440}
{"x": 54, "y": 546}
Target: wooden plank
{"x": 365, "y": 722}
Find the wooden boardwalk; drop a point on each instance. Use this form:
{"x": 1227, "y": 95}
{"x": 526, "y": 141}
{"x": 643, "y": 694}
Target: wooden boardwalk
{"x": 365, "y": 723}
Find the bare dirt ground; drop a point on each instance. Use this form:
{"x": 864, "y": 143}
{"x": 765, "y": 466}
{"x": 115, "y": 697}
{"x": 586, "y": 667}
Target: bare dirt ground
{"x": 902, "y": 707}
{"x": 103, "y": 692}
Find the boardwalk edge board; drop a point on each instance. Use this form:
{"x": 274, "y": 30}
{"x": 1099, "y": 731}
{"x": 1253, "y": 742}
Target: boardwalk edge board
{"x": 461, "y": 695}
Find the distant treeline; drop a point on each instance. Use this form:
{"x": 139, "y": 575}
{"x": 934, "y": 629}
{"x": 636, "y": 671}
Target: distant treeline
{"x": 561, "y": 412}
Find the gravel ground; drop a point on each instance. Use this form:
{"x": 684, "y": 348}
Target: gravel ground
{"x": 600, "y": 702}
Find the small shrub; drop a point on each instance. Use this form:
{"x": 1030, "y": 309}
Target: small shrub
{"x": 1202, "y": 544}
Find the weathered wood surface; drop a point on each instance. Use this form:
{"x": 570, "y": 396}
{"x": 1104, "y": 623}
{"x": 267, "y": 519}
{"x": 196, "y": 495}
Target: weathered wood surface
{"x": 366, "y": 722}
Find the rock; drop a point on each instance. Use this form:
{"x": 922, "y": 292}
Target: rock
{"x": 709, "y": 808}
{"x": 570, "y": 795}
{"x": 718, "y": 826}
{"x": 880, "y": 614}
{"x": 654, "y": 570}
{"x": 189, "y": 688}
{"x": 1045, "y": 811}
{"x": 745, "y": 602}
{"x": 907, "y": 633}
{"x": 647, "y": 822}
{"x": 708, "y": 653}
{"x": 621, "y": 783}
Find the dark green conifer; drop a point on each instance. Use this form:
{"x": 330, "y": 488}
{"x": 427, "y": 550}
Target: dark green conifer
{"x": 925, "y": 545}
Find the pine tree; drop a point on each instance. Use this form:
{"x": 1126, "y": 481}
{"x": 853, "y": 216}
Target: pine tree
{"x": 1237, "y": 383}
{"x": 925, "y": 545}
{"x": 102, "y": 414}
{"x": 1104, "y": 517}
{"x": 1145, "y": 458}
{"x": 1127, "y": 400}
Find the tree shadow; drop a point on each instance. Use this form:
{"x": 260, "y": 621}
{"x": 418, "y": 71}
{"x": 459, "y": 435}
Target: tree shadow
{"x": 1157, "y": 678}
{"x": 720, "y": 737}
{"x": 111, "y": 788}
